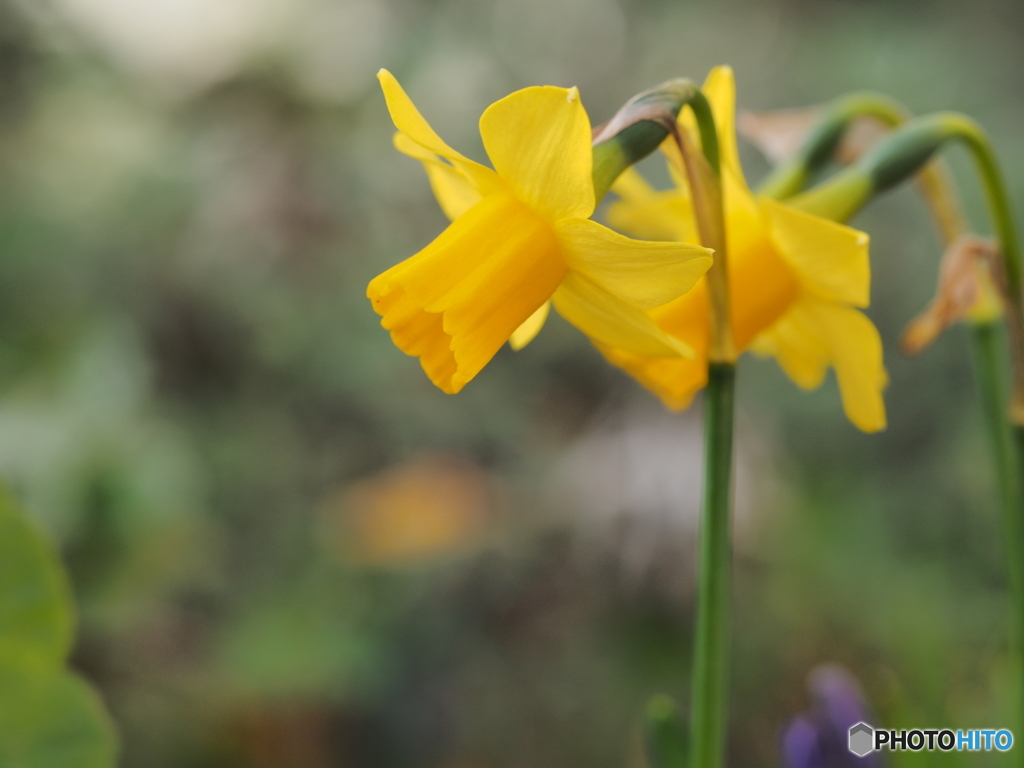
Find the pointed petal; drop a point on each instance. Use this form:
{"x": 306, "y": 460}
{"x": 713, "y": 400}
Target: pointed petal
{"x": 674, "y": 379}
{"x": 720, "y": 89}
{"x": 741, "y": 209}
{"x": 644, "y": 273}
{"x": 409, "y": 121}
{"x": 797, "y": 347}
{"x": 539, "y": 142}
{"x": 762, "y": 289}
{"x": 526, "y": 332}
{"x": 458, "y": 300}
{"x": 454, "y": 191}
{"x": 815, "y": 334}
{"x": 831, "y": 259}
{"x": 744, "y": 223}
{"x": 856, "y": 351}
{"x": 608, "y": 320}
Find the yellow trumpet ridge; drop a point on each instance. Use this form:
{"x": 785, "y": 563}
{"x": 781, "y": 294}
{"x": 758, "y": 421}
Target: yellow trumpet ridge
{"x": 797, "y": 283}
{"x": 521, "y": 236}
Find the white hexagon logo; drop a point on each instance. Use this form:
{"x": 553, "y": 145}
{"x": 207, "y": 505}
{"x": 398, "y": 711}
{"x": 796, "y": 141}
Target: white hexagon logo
{"x": 862, "y": 738}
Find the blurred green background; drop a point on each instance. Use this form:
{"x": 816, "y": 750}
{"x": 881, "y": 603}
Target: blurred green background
{"x": 289, "y": 549}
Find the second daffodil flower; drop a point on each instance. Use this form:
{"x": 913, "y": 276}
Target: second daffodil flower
{"x": 521, "y": 235}
{"x": 796, "y": 282}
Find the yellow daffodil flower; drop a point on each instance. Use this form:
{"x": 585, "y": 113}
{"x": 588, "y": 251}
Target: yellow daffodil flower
{"x": 795, "y": 283}
{"x": 521, "y": 235}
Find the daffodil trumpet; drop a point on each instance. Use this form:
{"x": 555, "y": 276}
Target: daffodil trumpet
{"x": 521, "y": 236}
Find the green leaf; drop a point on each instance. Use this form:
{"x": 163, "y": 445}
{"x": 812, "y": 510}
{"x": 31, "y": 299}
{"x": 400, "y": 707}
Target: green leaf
{"x": 36, "y": 614}
{"x": 51, "y": 718}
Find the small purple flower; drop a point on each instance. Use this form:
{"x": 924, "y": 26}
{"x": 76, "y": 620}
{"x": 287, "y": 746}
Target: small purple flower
{"x": 819, "y": 739}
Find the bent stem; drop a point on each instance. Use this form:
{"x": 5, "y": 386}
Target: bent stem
{"x": 710, "y": 674}
{"x": 891, "y": 161}
{"x": 822, "y": 141}
{"x": 639, "y": 127}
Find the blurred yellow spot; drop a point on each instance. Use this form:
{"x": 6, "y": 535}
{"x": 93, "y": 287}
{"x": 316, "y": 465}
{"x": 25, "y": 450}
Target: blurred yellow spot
{"x": 430, "y": 506}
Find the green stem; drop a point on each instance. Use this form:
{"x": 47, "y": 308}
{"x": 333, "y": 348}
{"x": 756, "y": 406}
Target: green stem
{"x": 1008, "y": 446}
{"x": 643, "y": 123}
{"x": 899, "y": 156}
{"x": 891, "y": 161}
{"x": 821, "y": 143}
{"x": 710, "y": 673}
{"x": 637, "y": 129}
{"x": 1014, "y": 527}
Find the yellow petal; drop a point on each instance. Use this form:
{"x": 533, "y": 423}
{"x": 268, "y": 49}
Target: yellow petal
{"x": 630, "y": 185}
{"x": 454, "y": 191}
{"x": 743, "y": 220}
{"x": 814, "y": 334}
{"x": 458, "y": 300}
{"x": 720, "y": 90}
{"x": 645, "y": 213}
{"x": 526, "y": 332}
{"x": 409, "y": 121}
{"x": 797, "y": 347}
{"x": 856, "y": 350}
{"x": 608, "y": 320}
{"x": 673, "y": 379}
{"x": 538, "y": 140}
{"x": 831, "y": 259}
{"x": 762, "y": 287}
{"x": 644, "y": 273}
{"x": 741, "y": 209}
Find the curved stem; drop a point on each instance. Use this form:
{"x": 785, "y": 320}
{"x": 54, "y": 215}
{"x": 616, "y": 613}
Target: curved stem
{"x": 899, "y": 156}
{"x": 893, "y": 160}
{"x": 643, "y": 123}
{"x": 824, "y": 138}
{"x": 972, "y": 135}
